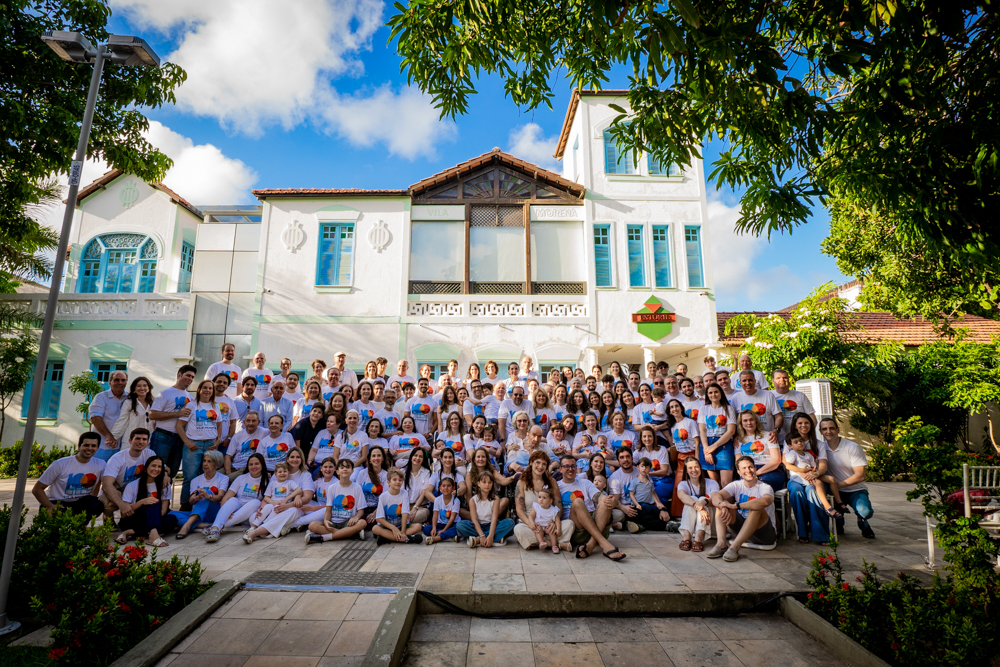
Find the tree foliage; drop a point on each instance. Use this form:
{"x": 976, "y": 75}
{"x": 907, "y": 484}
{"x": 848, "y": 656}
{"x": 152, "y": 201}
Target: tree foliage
{"x": 18, "y": 351}
{"x": 890, "y": 105}
{"x": 42, "y": 100}
{"x": 87, "y": 386}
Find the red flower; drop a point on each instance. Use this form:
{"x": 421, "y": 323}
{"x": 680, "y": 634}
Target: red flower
{"x": 113, "y": 572}
{"x": 69, "y": 565}
{"x": 820, "y": 596}
{"x": 846, "y": 586}
{"x": 822, "y": 560}
{"x": 124, "y": 607}
{"x": 894, "y": 646}
{"x": 50, "y": 606}
{"x": 822, "y": 573}
{"x": 168, "y": 578}
{"x": 155, "y": 623}
{"x": 857, "y": 578}
{"x": 810, "y": 596}
{"x": 57, "y": 653}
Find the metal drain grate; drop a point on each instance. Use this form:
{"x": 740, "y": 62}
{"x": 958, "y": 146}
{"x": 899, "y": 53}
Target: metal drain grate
{"x": 328, "y": 578}
{"x": 350, "y": 559}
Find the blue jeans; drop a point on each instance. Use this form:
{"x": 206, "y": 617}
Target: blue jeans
{"x": 862, "y": 506}
{"x": 192, "y": 465}
{"x": 776, "y": 479}
{"x": 446, "y": 534}
{"x": 206, "y": 510}
{"x": 811, "y": 518}
{"x": 168, "y": 447}
{"x": 468, "y": 529}
{"x": 723, "y": 456}
{"x": 106, "y": 454}
{"x": 664, "y": 488}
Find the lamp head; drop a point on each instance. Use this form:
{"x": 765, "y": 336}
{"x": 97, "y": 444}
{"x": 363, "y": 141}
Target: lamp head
{"x": 130, "y": 50}
{"x": 70, "y": 46}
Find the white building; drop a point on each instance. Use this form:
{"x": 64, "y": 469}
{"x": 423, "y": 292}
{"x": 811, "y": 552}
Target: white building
{"x": 493, "y": 258}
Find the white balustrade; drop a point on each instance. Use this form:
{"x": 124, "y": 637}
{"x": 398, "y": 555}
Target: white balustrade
{"x": 510, "y": 309}
{"x": 106, "y": 306}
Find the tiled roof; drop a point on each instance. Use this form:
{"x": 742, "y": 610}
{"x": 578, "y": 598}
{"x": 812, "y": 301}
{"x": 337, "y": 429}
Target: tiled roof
{"x": 826, "y": 297}
{"x": 109, "y": 178}
{"x": 497, "y": 155}
{"x": 574, "y": 102}
{"x": 327, "y": 192}
{"x": 886, "y": 328}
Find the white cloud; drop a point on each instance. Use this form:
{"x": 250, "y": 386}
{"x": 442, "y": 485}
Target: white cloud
{"x": 253, "y": 64}
{"x": 741, "y": 270}
{"x": 529, "y": 143}
{"x": 201, "y": 174}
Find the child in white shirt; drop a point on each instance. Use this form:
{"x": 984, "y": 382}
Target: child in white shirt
{"x": 277, "y": 512}
{"x": 345, "y": 509}
{"x": 392, "y": 518}
{"x": 442, "y": 524}
{"x": 545, "y": 516}
{"x": 798, "y": 460}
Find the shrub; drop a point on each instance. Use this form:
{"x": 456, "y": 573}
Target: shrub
{"x": 953, "y": 622}
{"x": 885, "y": 461}
{"x": 102, "y": 599}
{"x": 41, "y": 457}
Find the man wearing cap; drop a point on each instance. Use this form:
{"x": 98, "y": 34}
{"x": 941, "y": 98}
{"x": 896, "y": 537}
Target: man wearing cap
{"x": 347, "y": 376}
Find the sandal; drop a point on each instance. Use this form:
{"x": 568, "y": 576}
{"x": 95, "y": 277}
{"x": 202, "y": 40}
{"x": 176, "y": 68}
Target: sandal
{"x": 697, "y": 546}
{"x": 834, "y": 513}
{"x": 582, "y": 549}
{"x": 122, "y": 539}
{"x": 160, "y": 542}
{"x": 610, "y": 555}
{"x": 685, "y": 545}
{"x": 803, "y": 540}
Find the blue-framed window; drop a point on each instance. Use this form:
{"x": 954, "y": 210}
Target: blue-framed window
{"x": 692, "y": 247}
{"x": 336, "y": 254}
{"x": 656, "y": 168}
{"x": 661, "y": 256}
{"x": 636, "y": 263}
{"x": 187, "y": 267}
{"x": 48, "y": 407}
{"x": 602, "y": 255}
{"x": 118, "y": 263}
{"x": 102, "y": 370}
{"x": 612, "y": 165}
{"x": 438, "y": 368}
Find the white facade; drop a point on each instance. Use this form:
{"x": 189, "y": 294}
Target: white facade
{"x": 258, "y": 284}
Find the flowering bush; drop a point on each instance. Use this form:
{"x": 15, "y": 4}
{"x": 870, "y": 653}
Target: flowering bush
{"x": 10, "y": 458}
{"x": 953, "y": 622}
{"x": 102, "y": 599}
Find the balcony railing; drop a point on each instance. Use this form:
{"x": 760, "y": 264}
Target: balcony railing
{"x": 507, "y": 307}
{"x": 107, "y": 306}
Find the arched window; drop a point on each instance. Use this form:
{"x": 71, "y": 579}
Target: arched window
{"x": 119, "y": 263}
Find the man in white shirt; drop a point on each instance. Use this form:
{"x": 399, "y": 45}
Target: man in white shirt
{"x": 259, "y": 371}
{"x": 276, "y": 404}
{"x": 745, "y": 505}
{"x": 526, "y": 372}
{"x": 682, "y": 368}
{"x": 673, "y": 389}
{"x": 104, "y": 411}
{"x": 588, "y": 508}
{"x": 745, "y": 364}
{"x": 633, "y": 383}
{"x": 846, "y": 461}
{"x": 789, "y": 401}
{"x": 508, "y": 408}
{"x": 123, "y": 468}
{"x": 332, "y": 383}
{"x": 347, "y": 376}
{"x": 725, "y": 382}
{"x": 74, "y": 482}
{"x": 473, "y": 405}
{"x": 620, "y": 485}
{"x": 423, "y": 408}
{"x": 172, "y": 403}
{"x": 401, "y": 376}
{"x": 228, "y": 367}
{"x": 759, "y": 401}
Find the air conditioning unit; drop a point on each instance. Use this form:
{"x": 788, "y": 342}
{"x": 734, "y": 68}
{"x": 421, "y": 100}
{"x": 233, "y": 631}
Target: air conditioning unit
{"x": 820, "y": 394}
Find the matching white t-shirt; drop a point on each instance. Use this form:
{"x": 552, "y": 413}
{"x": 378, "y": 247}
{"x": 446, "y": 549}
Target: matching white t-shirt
{"x": 711, "y": 486}
{"x": 716, "y": 420}
{"x": 803, "y": 460}
{"x": 68, "y": 479}
{"x": 170, "y": 399}
{"x": 243, "y": 445}
{"x": 756, "y": 448}
{"x": 350, "y": 445}
{"x": 279, "y": 491}
{"x": 620, "y": 484}
{"x": 392, "y": 507}
{"x": 762, "y": 404}
{"x": 580, "y": 488}
{"x": 443, "y": 511}
{"x": 322, "y": 444}
{"x": 421, "y": 410}
{"x": 131, "y": 492}
{"x": 125, "y": 468}
{"x": 275, "y": 449}
{"x": 203, "y": 422}
{"x": 246, "y": 487}
{"x": 402, "y": 445}
{"x": 231, "y": 370}
{"x": 263, "y": 376}
{"x": 218, "y": 484}
{"x": 742, "y": 493}
{"x": 371, "y": 490}
{"x": 841, "y": 462}
{"x": 108, "y": 407}
{"x": 344, "y": 502}
{"x": 660, "y": 458}
{"x": 684, "y": 434}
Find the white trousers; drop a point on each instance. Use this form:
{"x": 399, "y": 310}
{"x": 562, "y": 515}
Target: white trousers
{"x": 235, "y": 511}
{"x": 306, "y": 519}
{"x": 275, "y": 521}
{"x": 692, "y": 524}
{"x": 526, "y": 537}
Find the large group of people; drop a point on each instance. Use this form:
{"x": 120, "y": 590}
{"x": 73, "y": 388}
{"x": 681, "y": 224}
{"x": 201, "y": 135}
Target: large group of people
{"x": 554, "y": 462}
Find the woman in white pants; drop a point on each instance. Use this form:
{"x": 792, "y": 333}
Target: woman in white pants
{"x": 698, "y": 514}
{"x": 243, "y": 498}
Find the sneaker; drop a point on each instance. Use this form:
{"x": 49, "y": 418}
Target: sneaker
{"x": 308, "y": 535}
{"x": 212, "y": 535}
{"x": 716, "y": 552}
{"x": 246, "y": 536}
{"x": 287, "y": 528}
{"x": 473, "y": 542}
{"x": 428, "y": 540}
{"x": 731, "y": 556}
{"x": 502, "y": 542}
{"x": 632, "y": 527}
{"x": 457, "y": 539}
{"x": 866, "y": 531}
{"x": 379, "y": 540}
{"x": 313, "y": 538}
{"x": 414, "y": 539}
{"x": 362, "y": 536}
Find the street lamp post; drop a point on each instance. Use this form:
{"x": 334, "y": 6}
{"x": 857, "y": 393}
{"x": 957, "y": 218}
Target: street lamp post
{"x": 72, "y": 47}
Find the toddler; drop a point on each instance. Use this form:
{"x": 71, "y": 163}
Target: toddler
{"x": 545, "y": 516}
{"x": 277, "y": 511}
{"x": 799, "y": 460}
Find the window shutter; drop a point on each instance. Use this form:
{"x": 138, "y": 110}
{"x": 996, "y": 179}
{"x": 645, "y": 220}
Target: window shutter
{"x": 346, "y": 251}
{"x": 636, "y": 272}
{"x": 692, "y": 244}
{"x": 602, "y": 256}
{"x": 661, "y": 255}
{"x": 326, "y": 273}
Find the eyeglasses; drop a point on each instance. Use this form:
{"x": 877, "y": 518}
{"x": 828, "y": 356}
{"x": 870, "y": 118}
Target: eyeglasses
{"x": 568, "y": 467}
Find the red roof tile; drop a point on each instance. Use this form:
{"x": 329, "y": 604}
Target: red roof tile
{"x": 109, "y": 178}
{"x": 827, "y": 296}
{"x": 886, "y": 328}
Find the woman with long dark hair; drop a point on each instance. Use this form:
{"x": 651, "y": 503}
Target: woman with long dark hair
{"x": 811, "y": 519}
{"x": 417, "y": 485}
{"x": 149, "y": 497}
{"x": 135, "y": 410}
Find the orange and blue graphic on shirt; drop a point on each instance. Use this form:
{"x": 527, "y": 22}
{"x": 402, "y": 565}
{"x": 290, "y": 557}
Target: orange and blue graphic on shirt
{"x": 180, "y": 402}
{"x": 372, "y": 491}
{"x": 391, "y": 422}
{"x": 214, "y": 490}
{"x": 250, "y": 489}
{"x": 207, "y": 415}
{"x": 321, "y": 494}
{"x": 80, "y": 483}
{"x": 366, "y": 414}
{"x": 276, "y": 449}
{"x": 617, "y": 444}
{"x": 745, "y": 498}
{"x": 757, "y": 408}
{"x": 569, "y": 496}
{"x": 280, "y": 491}
{"x": 751, "y": 448}
{"x": 477, "y": 410}
{"x": 787, "y": 405}
{"x": 408, "y": 442}
{"x": 224, "y": 408}
{"x": 249, "y": 445}
{"x": 444, "y": 516}
{"x": 455, "y": 445}
{"x": 691, "y": 413}
{"x": 420, "y": 409}
{"x": 393, "y": 511}
{"x": 716, "y": 421}
{"x": 353, "y": 444}
{"x": 656, "y": 464}
{"x": 680, "y": 434}
{"x": 542, "y": 419}
{"x": 233, "y": 376}
{"x": 133, "y": 473}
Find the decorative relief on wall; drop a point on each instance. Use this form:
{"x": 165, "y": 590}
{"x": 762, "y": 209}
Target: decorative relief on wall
{"x": 293, "y": 236}
{"x": 559, "y": 309}
{"x": 496, "y": 309}
{"x": 129, "y": 193}
{"x": 433, "y": 309}
{"x": 379, "y": 236}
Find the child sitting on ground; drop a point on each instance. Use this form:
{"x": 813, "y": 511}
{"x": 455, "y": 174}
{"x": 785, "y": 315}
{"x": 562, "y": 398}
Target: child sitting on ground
{"x": 445, "y": 514}
{"x": 392, "y": 518}
{"x": 798, "y": 460}
{"x": 345, "y": 508}
{"x": 643, "y": 495}
{"x": 545, "y": 516}
{"x": 276, "y": 513}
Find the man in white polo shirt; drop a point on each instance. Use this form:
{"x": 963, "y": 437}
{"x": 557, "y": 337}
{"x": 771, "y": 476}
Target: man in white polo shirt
{"x": 846, "y": 461}
{"x": 347, "y": 376}
{"x": 104, "y": 411}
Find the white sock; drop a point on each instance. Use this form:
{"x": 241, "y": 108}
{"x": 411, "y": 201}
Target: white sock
{"x": 328, "y": 537}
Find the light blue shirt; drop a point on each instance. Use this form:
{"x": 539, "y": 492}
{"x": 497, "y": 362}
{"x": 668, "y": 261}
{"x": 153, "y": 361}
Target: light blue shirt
{"x": 269, "y": 407}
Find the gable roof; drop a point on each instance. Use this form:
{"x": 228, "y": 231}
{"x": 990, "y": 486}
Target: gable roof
{"x": 498, "y": 156}
{"x": 826, "y": 296}
{"x": 574, "y": 102}
{"x": 884, "y": 328}
{"x": 109, "y": 177}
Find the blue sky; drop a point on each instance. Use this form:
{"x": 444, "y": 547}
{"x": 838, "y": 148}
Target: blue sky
{"x": 308, "y": 94}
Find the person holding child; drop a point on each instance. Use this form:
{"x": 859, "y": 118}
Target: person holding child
{"x": 345, "y": 509}
{"x": 277, "y": 512}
